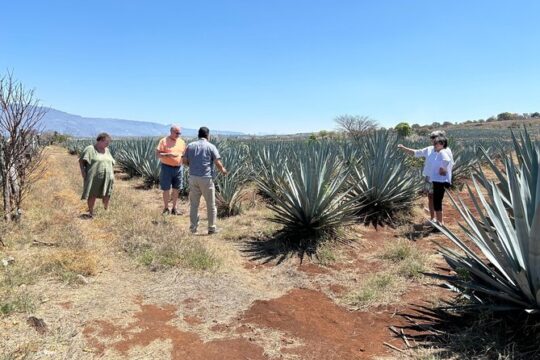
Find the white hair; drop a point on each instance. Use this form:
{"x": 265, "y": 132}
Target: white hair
{"x": 437, "y": 133}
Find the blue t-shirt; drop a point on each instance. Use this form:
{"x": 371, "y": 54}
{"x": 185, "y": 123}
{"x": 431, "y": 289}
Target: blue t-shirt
{"x": 201, "y": 155}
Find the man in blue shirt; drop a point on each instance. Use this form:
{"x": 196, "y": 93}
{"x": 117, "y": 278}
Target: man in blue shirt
{"x": 201, "y": 156}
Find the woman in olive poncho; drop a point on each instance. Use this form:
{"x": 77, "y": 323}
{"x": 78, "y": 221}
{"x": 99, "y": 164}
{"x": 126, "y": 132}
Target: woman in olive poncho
{"x": 96, "y": 165}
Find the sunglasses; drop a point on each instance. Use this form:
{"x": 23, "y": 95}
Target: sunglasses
{"x": 178, "y": 133}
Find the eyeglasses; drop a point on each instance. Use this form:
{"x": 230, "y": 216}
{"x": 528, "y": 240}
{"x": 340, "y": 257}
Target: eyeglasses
{"x": 178, "y": 133}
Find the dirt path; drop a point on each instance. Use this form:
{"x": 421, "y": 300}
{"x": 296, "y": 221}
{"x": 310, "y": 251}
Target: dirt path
{"x": 243, "y": 310}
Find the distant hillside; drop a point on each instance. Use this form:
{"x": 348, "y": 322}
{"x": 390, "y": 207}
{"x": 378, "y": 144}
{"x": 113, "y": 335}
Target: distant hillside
{"x": 80, "y": 126}
{"x": 500, "y": 124}
{"x": 484, "y": 129}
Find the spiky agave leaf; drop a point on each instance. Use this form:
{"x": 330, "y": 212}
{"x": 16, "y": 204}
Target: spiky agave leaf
{"x": 149, "y": 170}
{"x": 131, "y": 155}
{"x": 310, "y": 194}
{"x": 136, "y": 157}
{"x": 185, "y": 181}
{"x": 231, "y": 188}
{"x": 231, "y": 194}
{"x": 507, "y": 232}
{"x": 383, "y": 181}
{"x": 465, "y": 159}
{"x": 265, "y": 166}
{"x": 76, "y": 146}
{"x": 527, "y": 157}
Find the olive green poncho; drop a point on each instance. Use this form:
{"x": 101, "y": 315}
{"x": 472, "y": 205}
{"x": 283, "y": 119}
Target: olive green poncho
{"x": 99, "y": 173}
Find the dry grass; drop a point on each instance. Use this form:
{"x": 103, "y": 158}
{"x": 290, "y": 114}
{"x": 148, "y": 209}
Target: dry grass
{"x": 252, "y": 224}
{"x": 23, "y": 351}
{"x": 16, "y": 301}
{"x": 68, "y": 264}
{"x": 378, "y": 289}
{"x": 118, "y": 248}
{"x": 17, "y": 274}
{"x": 418, "y": 354}
{"x": 404, "y": 264}
{"x": 131, "y": 224}
{"x": 327, "y": 253}
{"x": 155, "y": 240}
{"x": 410, "y": 262}
{"x": 170, "y": 254}
{"x": 14, "y": 295}
{"x": 46, "y": 220}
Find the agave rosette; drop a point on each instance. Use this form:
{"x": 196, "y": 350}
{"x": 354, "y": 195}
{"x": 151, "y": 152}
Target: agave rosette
{"x": 507, "y": 233}
{"x": 383, "y": 181}
{"x": 311, "y": 195}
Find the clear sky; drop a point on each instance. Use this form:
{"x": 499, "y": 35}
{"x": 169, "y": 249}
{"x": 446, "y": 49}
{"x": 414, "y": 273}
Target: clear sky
{"x": 276, "y": 66}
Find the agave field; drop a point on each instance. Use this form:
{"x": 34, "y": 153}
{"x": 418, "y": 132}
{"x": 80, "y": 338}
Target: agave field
{"x": 320, "y": 190}
{"x": 314, "y": 187}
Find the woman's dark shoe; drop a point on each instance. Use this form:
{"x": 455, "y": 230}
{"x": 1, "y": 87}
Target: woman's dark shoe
{"x": 175, "y": 211}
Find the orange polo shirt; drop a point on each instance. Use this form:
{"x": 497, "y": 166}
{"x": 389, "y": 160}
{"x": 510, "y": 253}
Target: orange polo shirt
{"x": 168, "y": 145}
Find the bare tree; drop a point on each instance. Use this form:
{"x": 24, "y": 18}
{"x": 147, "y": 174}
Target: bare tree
{"x": 355, "y": 125}
{"x": 20, "y": 151}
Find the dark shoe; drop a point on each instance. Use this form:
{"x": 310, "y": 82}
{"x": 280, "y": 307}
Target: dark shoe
{"x": 214, "y": 231}
{"x": 165, "y": 212}
{"x": 175, "y": 211}
{"x": 87, "y": 216}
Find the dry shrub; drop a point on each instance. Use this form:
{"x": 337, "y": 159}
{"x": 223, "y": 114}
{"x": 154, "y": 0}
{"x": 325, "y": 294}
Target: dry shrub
{"x": 16, "y": 301}
{"x": 67, "y": 264}
{"x": 14, "y": 296}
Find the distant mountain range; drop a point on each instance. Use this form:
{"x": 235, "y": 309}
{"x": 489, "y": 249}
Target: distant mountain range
{"x": 79, "y": 126}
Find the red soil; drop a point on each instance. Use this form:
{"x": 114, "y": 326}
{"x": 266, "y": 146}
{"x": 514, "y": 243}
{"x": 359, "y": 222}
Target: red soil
{"x": 337, "y": 289}
{"x": 324, "y": 329}
{"x": 220, "y": 328}
{"x": 193, "y": 320}
{"x": 151, "y": 324}
{"x": 327, "y": 330}
{"x": 312, "y": 269}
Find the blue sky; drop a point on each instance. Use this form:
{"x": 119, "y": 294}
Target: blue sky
{"x": 276, "y": 66}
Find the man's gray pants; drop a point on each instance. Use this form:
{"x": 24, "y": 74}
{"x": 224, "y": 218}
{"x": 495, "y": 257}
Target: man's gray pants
{"x": 202, "y": 186}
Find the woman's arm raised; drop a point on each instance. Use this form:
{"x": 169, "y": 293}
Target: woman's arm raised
{"x": 406, "y": 149}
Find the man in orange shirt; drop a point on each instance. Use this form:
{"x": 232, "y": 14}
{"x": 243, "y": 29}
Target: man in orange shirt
{"x": 169, "y": 151}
